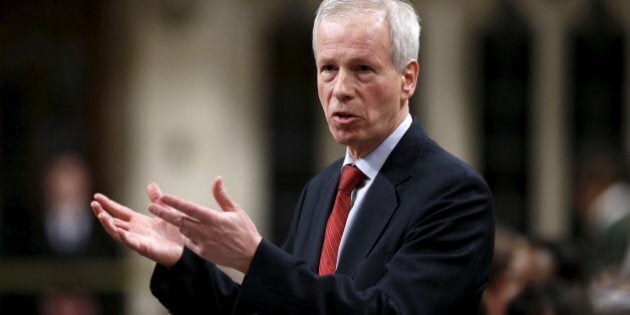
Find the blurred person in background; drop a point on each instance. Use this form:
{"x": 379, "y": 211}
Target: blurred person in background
{"x": 550, "y": 298}
{"x": 73, "y": 302}
{"x": 603, "y": 204}
{"x": 65, "y": 231}
{"x": 67, "y": 223}
{"x": 518, "y": 262}
{"x": 68, "y": 231}
{"x": 503, "y": 283}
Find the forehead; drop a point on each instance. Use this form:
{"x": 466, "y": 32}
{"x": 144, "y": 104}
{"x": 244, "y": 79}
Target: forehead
{"x": 367, "y": 33}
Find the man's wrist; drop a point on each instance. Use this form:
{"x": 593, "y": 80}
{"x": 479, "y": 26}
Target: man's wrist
{"x": 247, "y": 262}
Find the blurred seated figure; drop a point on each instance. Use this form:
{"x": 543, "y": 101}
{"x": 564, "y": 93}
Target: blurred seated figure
{"x": 66, "y": 231}
{"x": 603, "y": 202}
{"x": 517, "y": 262}
{"x": 503, "y": 284}
{"x": 550, "y": 298}
{"x": 67, "y": 223}
{"x": 69, "y": 303}
{"x": 610, "y": 290}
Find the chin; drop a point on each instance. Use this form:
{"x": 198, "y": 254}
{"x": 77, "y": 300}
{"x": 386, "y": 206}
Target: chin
{"x": 347, "y": 137}
{"x": 347, "y": 140}
{"x": 342, "y": 141}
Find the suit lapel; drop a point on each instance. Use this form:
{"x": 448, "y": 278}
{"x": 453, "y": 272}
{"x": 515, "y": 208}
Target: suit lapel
{"x": 381, "y": 201}
{"x": 317, "y": 225}
{"x": 378, "y": 206}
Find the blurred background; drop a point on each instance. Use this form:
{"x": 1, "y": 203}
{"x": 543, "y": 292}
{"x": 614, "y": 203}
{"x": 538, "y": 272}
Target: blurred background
{"x": 111, "y": 95}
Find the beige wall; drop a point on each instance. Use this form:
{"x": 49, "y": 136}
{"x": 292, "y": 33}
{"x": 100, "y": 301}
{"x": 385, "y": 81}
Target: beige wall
{"x": 194, "y": 111}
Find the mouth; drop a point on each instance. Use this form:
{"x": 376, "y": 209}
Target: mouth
{"x": 344, "y": 117}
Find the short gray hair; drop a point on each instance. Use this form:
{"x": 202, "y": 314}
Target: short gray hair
{"x": 401, "y": 17}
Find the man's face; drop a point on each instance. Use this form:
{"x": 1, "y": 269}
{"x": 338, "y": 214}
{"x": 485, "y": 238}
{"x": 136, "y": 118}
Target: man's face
{"x": 363, "y": 95}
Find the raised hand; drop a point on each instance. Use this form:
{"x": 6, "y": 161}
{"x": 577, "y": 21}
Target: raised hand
{"x": 227, "y": 238}
{"x": 151, "y": 237}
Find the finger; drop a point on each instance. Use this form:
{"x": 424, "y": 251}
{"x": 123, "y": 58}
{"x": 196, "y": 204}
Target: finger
{"x": 167, "y": 214}
{"x": 221, "y": 196}
{"x": 109, "y": 226}
{"x": 113, "y": 207}
{"x": 96, "y": 208}
{"x": 189, "y": 227}
{"x": 106, "y": 220}
{"x": 153, "y": 192}
{"x": 187, "y": 207}
{"x": 120, "y": 224}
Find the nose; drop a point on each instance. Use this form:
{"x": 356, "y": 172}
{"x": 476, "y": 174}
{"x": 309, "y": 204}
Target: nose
{"x": 343, "y": 86}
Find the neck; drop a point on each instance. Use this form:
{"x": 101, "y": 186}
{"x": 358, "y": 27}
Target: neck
{"x": 360, "y": 150}
{"x": 357, "y": 152}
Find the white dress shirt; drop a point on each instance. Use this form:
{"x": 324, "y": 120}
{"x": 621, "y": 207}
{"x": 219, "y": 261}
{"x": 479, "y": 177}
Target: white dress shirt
{"x": 370, "y": 165}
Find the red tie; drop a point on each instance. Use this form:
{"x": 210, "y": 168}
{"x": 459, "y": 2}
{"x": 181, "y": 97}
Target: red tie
{"x": 351, "y": 177}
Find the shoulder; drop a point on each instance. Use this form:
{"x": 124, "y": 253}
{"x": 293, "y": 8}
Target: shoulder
{"x": 420, "y": 158}
{"x": 436, "y": 162}
{"x": 426, "y": 174}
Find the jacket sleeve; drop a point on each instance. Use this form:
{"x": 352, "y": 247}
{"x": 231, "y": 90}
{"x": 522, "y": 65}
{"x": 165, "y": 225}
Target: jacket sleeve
{"x": 194, "y": 286}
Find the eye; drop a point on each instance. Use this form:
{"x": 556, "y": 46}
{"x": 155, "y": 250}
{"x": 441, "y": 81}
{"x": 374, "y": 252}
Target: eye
{"x": 327, "y": 68}
{"x": 327, "y": 72}
{"x": 364, "y": 68}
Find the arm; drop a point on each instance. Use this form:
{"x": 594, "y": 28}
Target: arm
{"x": 437, "y": 265}
{"x": 183, "y": 282}
{"x": 194, "y": 286}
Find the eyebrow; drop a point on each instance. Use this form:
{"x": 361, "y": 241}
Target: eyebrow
{"x": 351, "y": 60}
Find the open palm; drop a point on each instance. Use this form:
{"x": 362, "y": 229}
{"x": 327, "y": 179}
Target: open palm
{"x": 151, "y": 237}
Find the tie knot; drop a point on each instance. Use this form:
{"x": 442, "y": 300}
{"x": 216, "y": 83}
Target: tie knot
{"x": 351, "y": 177}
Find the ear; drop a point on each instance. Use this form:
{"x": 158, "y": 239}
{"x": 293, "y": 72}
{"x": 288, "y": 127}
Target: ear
{"x": 409, "y": 79}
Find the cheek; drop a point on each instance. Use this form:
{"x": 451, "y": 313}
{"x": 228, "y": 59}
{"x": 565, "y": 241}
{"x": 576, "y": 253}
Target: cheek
{"x": 376, "y": 100}
{"x": 385, "y": 99}
{"x": 324, "y": 94}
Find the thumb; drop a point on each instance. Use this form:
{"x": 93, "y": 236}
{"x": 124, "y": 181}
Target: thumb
{"x": 222, "y": 197}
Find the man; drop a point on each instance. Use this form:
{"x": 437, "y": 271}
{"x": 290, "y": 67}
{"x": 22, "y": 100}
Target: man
{"x": 418, "y": 238}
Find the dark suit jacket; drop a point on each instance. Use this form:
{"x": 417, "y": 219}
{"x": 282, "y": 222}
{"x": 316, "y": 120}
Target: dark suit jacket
{"x": 421, "y": 244}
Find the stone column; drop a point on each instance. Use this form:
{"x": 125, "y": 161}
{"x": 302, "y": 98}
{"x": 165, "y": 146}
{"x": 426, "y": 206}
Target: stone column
{"x": 194, "y": 110}
{"x": 447, "y": 113}
{"x": 549, "y": 180}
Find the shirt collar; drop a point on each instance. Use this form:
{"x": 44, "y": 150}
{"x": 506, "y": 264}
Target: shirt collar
{"x": 371, "y": 163}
